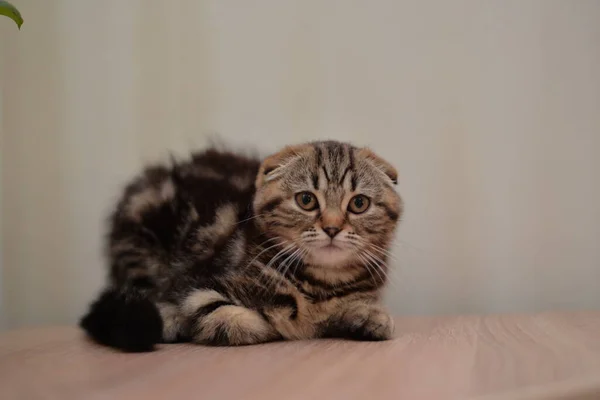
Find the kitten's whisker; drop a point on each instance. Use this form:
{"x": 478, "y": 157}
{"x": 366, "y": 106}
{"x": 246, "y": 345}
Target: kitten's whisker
{"x": 376, "y": 261}
{"x": 269, "y": 240}
{"x": 381, "y": 250}
{"x": 379, "y": 264}
{"x": 284, "y": 266}
{"x": 375, "y": 245}
{"x": 369, "y": 262}
{"x": 275, "y": 258}
{"x": 385, "y": 254}
{"x": 299, "y": 261}
{"x": 368, "y": 268}
{"x": 288, "y": 262}
{"x": 376, "y": 248}
{"x": 259, "y": 254}
{"x": 395, "y": 259}
{"x": 375, "y": 258}
{"x": 280, "y": 253}
{"x": 248, "y": 219}
{"x": 261, "y": 245}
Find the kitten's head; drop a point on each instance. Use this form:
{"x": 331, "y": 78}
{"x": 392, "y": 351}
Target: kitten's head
{"x": 332, "y": 203}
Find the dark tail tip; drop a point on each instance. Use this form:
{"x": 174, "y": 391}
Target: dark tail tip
{"x": 126, "y": 323}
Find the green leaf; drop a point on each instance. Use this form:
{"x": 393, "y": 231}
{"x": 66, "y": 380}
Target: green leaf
{"x": 11, "y": 12}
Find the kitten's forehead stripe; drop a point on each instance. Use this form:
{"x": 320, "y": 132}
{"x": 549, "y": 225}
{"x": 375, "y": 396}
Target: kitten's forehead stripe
{"x": 353, "y": 182}
{"x": 344, "y": 175}
{"x": 333, "y": 159}
{"x": 333, "y": 152}
{"x": 326, "y": 174}
{"x": 353, "y": 179}
{"x": 319, "y": 156}
{"x": 336, "y": 161}
{"x": 315, "y": 180}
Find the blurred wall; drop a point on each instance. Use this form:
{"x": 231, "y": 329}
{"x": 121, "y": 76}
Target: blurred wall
{"x": 489, "y": 109}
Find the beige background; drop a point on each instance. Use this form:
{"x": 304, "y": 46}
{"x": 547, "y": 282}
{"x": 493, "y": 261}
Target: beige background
{"x": 489, "y": 109}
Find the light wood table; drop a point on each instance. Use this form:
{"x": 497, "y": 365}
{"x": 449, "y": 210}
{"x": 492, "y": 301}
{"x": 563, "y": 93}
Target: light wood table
{"x": 542, "y": 356}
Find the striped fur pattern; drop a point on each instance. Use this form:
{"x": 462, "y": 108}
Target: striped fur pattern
{"x": 224, "y": 250}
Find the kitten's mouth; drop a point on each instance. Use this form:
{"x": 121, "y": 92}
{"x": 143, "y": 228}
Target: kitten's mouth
{"x": 332, "y": 247}
{"x": 331, "y": 254}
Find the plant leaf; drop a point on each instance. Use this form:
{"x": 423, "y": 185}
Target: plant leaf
{"x": 11, "y": 12}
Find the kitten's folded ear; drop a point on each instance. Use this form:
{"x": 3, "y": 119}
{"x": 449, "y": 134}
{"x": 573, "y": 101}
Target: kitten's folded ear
{"x": 273, "y": 165}
{"x": 379, "y": 163}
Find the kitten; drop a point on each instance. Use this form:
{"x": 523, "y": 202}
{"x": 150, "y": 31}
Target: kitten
{"x": 226, "y": 250}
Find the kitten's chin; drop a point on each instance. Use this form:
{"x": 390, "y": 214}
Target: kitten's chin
{"x": 329, "y": 257}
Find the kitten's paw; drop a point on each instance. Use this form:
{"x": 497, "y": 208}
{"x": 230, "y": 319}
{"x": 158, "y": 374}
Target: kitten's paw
{"x": 231, "y": 325}
{"x": 378, "y": 326}
{"x": 363, "y": 322}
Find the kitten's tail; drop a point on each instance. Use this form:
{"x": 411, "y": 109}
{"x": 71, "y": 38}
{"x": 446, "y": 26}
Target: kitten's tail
{"x": 124, "y": 321}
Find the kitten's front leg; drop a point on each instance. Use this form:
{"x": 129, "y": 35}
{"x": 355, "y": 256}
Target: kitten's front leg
{"x": 360, "y": 321}
{"x": 215, "y": 320}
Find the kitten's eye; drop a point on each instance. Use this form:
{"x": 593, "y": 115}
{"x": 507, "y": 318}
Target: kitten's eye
{"x": 359, "y": 204}
{"x": 307, "y": 201}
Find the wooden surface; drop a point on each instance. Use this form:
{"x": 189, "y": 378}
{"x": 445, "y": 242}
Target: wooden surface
{"x": 544, "y": 356}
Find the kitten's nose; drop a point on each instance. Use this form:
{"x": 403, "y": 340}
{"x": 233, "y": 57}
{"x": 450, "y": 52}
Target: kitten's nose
{"x": 331, "y": 231}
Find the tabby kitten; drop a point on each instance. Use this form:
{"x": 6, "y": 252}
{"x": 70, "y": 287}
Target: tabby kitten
{"x": 224, "y": 250}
